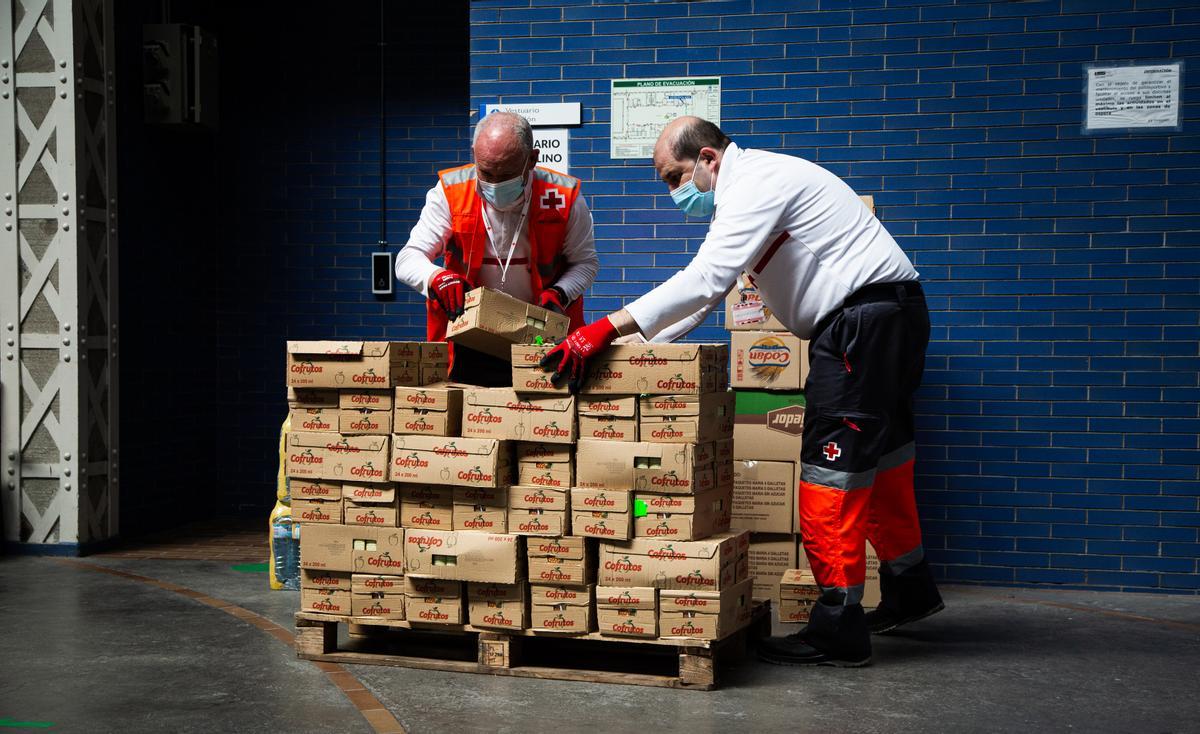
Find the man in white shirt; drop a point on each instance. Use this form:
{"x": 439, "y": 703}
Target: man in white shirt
{"x": 504, "y": 223}
{"x": 832, "y": 274}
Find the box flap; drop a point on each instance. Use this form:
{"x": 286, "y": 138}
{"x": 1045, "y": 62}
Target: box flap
{"x": 503, "y": 397}
{"x": 446, "y": 446}
{"x": 312, "y": 439}
{"x": 346, "y": 349}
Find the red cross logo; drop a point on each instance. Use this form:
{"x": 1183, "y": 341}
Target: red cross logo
{"x": 832, "y": 450}
{"x": 552, "y": 200}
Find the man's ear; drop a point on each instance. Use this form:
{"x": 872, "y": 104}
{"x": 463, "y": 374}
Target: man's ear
{"x": 533, "y": 157}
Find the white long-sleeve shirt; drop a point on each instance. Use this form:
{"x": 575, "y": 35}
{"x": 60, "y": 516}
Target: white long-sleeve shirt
{"x": 800, "y": 231}
{"x": 426, "y": 242}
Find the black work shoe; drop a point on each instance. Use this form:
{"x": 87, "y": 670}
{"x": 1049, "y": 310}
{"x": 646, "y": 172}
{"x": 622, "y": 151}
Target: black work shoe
{"x": 793, "y": 650}
{"x": 883, "y": 620}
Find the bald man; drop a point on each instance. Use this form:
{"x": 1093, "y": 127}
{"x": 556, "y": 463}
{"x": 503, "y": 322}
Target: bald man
{"x": 505, "y": 223}
{"x": 832, "y": 274}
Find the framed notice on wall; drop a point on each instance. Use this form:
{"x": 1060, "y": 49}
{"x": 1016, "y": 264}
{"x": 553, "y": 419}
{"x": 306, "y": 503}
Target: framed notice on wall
{"x": 1133, "y": 97}
{"x": 642, "y": 107}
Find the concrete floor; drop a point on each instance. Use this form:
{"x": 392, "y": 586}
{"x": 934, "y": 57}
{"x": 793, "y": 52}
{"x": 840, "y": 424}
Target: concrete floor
{"x": 92, "y": 652}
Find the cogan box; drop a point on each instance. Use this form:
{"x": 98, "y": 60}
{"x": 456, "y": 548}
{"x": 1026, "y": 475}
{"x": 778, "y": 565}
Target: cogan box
{"x": 383, "y": 515}
{"x": 464, "y": 556}
{"x": 338, "y": 364}
{"x": 684, "y": 516}
{"x": 377, "y": 605}
{"x": 706, "y": 615}
{"x": 317, "y": 510}
{"x": 311, "y": 579}
{"x": 764, "y": 496}
{"x": 314, "y": 419}
{"x": 364, "y": 421}
{"x": 325, "y": 601}
{"x": 333, "y": 456}
{"x": 435, "y": 410}
{"x": 461, "y": 462}
{"x": 768, "y": 426}
{"x": 745, "y": 310}
{"x": 350, "y": 548}
{"x": 427, "y": 507}
{"x": 368, "y": 583}
{"x": 545, "y": 465}
{"x": 608, "y": 418}
{"x": 498, "y": 606}
{"x": 633, "y": 369}
{"x": 314, "y": 489}
{"x": 658, "y": 467}
{"x": 770, "y": 556}
{"x": 687, "y": 418}
{"x": 493, "y": 321}
{"x": 627, "y": 611}
{"x": 500, "y": 413}
{"x": 711, "y": 564}
{"x": 798, "y": 592}
{"x": 768, "y": 360}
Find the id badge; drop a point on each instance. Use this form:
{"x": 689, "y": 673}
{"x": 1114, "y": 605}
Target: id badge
{"x": 748, "y": 312}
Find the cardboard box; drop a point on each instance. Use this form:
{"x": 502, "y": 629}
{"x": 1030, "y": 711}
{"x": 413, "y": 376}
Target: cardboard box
{"x": 464, "y": 556}
{"x": 384, "y": 554}
{"x": 768, "y": 426}
{"x": 492, "y": 497}
{"x": 798, "y": 592}
{"x": 601, "y": 500}
{"x": 687, "y": 517}
{"x": 538, "y": 498}
{"x": 369, "y": 493}
{"x": 314, "y": 489}
{"x": 498, "y": 606}
{"x": 573, "y": 547}
{"x": 434, "y": 410}
{"x": 377, "y": 605}
{"x": 325, "y": 601}
{"x": 369, "y": 583}
{"x": 321, "y": 455}
{"x": 551, "y": 595}
{"x": 743, "y": 303}
{"x": 493, "y": 321}
{"x": 435, "y": 353}
{"x": 764, "y": 496}
{"x": 705, "y": 615}
{"x": 561, "y": 571}
{"x": 435, "y": 610}
{"x": 361, "y": 421}
{"x": 687, "y": 418}
{"x": 407, "y": 375}
{"x": 481, "y": 518}
{"x": 563, "y": 619}
{"x": 769, "y": 557}
{"x": 633, "y": 369}
{"x": 665, "y": 467}
{"x": 408, "y": 352}
{"x": 303, "y": 397}
{"x": 317, "y": 510}
{"x": 627, "y": 597}
{"x": 539, "y": 522}
{"x": 415, "y": 587}
{"x": 315, "y": 419}
{"x": 365, "y": 400}
{"x": 381, "y": 515}
{"x": 545, "y": 465}
{"x": 498, "y": 412}
{"x": 623, "y": 622}
{"x": 351, "y": 548}
{"x": 432, "y": 374}
{"x": 315, "y": 579}
{"x": 604, "y": 525}
{"x": 706, "y": 565}
{"x": 460, "y": 462}
{"x": 768, "y": 360}
{"x": 426, "y": 507}
{"x": 608, "y": 418}
{"x": 342, "y": 364}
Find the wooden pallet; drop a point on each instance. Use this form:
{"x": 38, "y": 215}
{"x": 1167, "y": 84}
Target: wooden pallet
{"x": 675, "y": 662}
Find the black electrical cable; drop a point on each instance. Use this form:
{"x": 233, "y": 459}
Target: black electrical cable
{"x": 382, "y": 133}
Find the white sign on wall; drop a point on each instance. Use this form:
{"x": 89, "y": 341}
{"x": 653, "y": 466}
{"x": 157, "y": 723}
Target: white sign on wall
{"x": 553, "y": 144}
{"x": 642, "y": 107}
{"x": 542, "y": 113}
{"x": 1145, "y": 96}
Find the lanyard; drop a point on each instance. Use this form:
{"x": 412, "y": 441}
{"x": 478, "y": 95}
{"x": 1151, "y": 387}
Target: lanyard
{"x": 516, "y": 234}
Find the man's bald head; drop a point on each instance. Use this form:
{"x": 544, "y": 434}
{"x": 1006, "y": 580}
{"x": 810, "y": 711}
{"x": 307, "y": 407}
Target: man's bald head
{"x": 503, "y": 146}
{"x": 680, "y": 143}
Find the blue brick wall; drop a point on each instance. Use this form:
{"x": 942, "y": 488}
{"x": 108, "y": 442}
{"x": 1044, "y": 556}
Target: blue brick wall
{"x": 1058, "y": 420}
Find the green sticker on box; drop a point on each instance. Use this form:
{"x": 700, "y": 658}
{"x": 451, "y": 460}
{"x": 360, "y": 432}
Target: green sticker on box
{"x": 639, "y": 508}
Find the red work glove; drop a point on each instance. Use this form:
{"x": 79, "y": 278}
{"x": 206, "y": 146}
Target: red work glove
{"x": 449, "y": 290}
{"x": 553, "y": 299}
{"x": 571, "y": 356}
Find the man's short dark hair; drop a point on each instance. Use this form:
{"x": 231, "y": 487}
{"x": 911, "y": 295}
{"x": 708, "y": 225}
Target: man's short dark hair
{"x": 697, "y": 135}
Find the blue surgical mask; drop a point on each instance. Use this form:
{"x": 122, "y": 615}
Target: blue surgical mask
{"x": 694, "y": 202}
{"x": 503, "y": 194}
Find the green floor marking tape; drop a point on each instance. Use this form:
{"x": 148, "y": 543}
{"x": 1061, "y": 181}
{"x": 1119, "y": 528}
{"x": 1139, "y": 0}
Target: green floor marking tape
{"x": 250, "y": 568}
{"x": 14, "y": 724}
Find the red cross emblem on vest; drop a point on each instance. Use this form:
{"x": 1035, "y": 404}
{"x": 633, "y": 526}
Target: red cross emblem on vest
{"x": 832, "y": 450}
{"x": 552, "y": 200}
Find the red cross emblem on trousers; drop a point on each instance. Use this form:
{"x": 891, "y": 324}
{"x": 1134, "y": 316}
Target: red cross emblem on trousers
{"x": 552, "y": 200}
{"x": 832, "y": 450}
